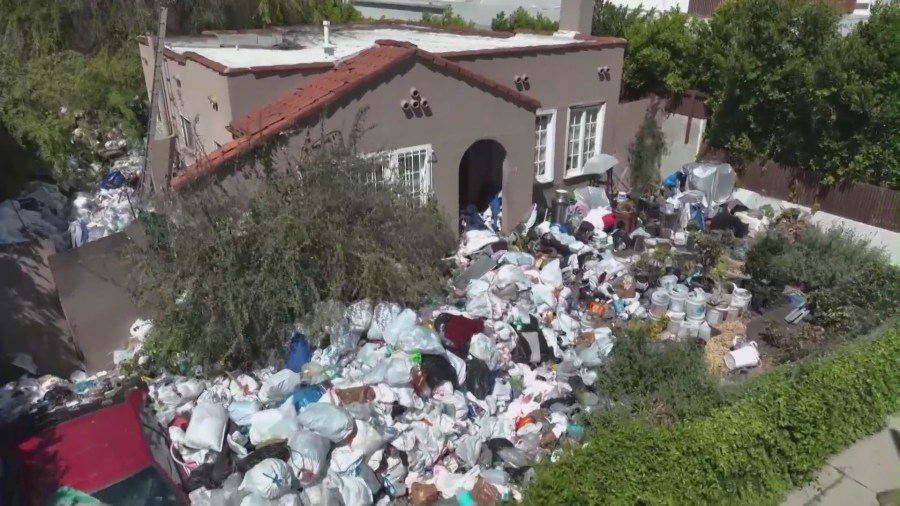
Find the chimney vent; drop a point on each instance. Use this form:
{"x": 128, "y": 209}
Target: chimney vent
{"x": 326, "y": 34}
{"x": 576, "y": 16}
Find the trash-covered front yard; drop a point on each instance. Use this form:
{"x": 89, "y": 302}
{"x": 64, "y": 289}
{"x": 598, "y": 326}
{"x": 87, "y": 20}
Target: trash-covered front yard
{"x": 647, "y": 308}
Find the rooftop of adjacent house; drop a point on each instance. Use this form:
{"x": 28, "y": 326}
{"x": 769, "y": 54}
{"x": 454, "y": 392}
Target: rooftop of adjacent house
{"x": 306, "y": 44}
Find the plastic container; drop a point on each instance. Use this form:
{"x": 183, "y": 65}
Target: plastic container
{"x": 746, "y": 356}
{"x": 715, "y": 315}
{"x": 496, "y": 476}
{"x": 668, "y": 281}
{"x": 659, "y": 302}
{"x": 740, "y": 298}
{"x": 733, "y": 313}
{"x": 675, "y": 320}
{"x": 677, "y": 295}
{"x": 705, "y": 332}
{"x": 691, "y": 328}
{"x": 695, "y": 305}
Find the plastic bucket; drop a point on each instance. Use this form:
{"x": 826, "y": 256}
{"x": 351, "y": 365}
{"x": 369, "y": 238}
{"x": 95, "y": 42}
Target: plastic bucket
{"x": 740, "y": 298}
{"x": 715, "y": 315}
{"x": 668, "y": 281}
{"x": 675, "y": 320}
{"x": 733, "y": 313}
{"x": 747, "y": 356}
{"x": 677, "y": 295}
{"x": 659, "y": 301}
{"x": 692, "y": 326}
{"x": 695, "y": 305}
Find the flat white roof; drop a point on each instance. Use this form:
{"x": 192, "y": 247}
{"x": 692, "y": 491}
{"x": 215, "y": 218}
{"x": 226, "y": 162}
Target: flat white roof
{"x": 348, "y": 42}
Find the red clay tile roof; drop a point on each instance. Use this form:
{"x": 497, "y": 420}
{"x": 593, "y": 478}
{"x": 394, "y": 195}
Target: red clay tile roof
{"x": 333, "y": 85}
{"x": 582, "y": 41}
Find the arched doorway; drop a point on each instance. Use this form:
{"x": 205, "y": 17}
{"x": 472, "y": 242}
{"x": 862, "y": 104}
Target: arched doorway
{"x": 481, "y": 175}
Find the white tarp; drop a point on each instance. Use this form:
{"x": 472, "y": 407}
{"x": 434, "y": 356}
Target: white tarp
{"x": 715, "y": 180}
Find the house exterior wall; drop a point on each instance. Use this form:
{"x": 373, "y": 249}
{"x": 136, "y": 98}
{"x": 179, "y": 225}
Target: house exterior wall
{"x": 456, "y": 120}
{"x": 561, "y": 81}
{"x": 251, "y": 91}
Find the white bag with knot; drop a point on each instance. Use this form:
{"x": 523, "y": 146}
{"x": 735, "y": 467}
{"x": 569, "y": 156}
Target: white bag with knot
{"x": 309, "y": 454}
{"x": 206, "y": 430}
{"x": 355, "y": 492}
{"x": 273, "y": 424}
{"x": 271, "y": 479}
{"x": 279, "y": 386}
{"x": 327, "y": 420}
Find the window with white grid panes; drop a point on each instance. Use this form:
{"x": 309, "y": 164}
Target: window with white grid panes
{"x": 583, "y": 141}
{"x": 410, "y": 167}
{"x": 545, "y": 137}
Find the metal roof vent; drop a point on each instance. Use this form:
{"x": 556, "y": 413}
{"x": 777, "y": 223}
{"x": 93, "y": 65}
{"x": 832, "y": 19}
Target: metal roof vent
{"x": 326, "y": 32}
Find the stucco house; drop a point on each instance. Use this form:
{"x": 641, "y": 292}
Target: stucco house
{"x": 458, "y": 114}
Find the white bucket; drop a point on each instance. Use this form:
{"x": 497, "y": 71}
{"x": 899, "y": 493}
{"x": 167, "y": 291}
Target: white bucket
{"x": 659, "y": 301}
{"x": 705, "y": 332}
{"x": 679, "y": 239}
{"x": 715, "y": 315}
{"x": 677, "y": 296}
{"x": 733, "y": 313}
{"x": 692, "y": 326}
{"x": 675, "y": 320}
{"x": 740, "y": 298}
{"x": 747, "y": 356}
{"x": 695, "y": 305}
{"x": 668, "y": 281}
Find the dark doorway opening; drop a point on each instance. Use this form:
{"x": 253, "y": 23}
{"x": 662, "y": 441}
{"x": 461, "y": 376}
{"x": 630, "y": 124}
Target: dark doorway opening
{"x": 481, "y": 175}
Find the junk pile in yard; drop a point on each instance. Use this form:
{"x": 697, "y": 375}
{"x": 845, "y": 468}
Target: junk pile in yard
{"x": 454, "y": 404}
{"x": 73, "y": 219}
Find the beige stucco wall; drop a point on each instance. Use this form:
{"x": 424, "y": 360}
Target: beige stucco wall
{"x": 562, "y": 80}
{"x": 460, "y": 114}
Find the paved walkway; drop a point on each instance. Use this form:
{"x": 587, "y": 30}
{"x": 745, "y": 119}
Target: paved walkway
{"x": 856, "y": 475}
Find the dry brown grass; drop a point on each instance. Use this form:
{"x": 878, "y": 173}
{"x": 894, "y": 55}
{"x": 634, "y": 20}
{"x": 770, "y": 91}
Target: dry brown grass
{"x": 719, "y": 345}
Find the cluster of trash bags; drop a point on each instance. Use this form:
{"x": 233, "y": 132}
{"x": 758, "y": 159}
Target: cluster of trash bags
{"x": 72, "y": 220}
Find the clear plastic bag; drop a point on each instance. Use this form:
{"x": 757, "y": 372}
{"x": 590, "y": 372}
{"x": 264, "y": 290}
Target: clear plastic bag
{"x": 383, "y": 315}
{"x": 309, "y": 455}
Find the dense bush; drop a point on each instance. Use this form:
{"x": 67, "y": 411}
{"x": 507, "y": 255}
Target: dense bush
{"x": 319, "y": 233}
{"x": 447, "y": 19}
{"x": 520, "y": 19}
{"x": 661, "y": 382}
{"x": 751, "y": 452}
{"x": 852, "y": 284}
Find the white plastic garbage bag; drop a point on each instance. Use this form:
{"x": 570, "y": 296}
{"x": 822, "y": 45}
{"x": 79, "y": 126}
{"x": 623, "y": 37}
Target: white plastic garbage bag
{"x": 291, "y": 499}
{"x": 401, "y": 324}
{"x": 227, "y": 495}
{"x": 483, "y": 348}
{"x": 355, "y": 492}
{"x": 551, "y": 274}
{"x": 279, "y": 386}
{"x": 384, "y": 314}
{"x": 321, "y": 494}
{"x": 309, "y": 455}
{"x": 273, "y": 424}
{"x": 140, "y": 328}
{"x": 327, "y": 420}
{"x": 241, "y": 412}
{"x": 423, "y": 340}
{"x": 271, "y": 479}
{"x": 367, "y": 439}
{"x": 206, "y": 430}
{"x": 396, "y": 371}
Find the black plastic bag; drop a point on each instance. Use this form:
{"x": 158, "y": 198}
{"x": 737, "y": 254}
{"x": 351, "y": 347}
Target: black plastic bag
{"x": 479, "y": 379}
{"x": 437, "y": 370}
{"x": 211, "y": 475}
{"x": 277, "y": 450}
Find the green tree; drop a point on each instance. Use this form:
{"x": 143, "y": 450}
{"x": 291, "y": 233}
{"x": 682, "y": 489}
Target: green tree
{"x": 659, "y": 51}
{"x": 242, "y": 276}
{"x": 447, "y": 19}
{"x": 520, "y": 19}
{"x": 613, "y": 20}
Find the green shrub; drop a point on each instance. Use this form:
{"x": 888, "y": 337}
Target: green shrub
{"x": 853, "y": 285}
{"x": 320, "y": 232}
{"x": 447, "y": 19}
{"x": 751, "y": 452}
{"x": 521, "y": 19}
{"x": 658, "y": 381}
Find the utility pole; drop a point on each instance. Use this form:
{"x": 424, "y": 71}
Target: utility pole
{"x": 155, "y": 90}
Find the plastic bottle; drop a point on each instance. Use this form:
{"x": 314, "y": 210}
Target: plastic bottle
{"x": 464, "y": 498}
{"x": 496, "y": 476}
{"x": 575, "y": 431}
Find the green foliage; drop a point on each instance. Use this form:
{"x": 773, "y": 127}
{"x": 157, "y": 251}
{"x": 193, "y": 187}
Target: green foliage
{"x": 784, "y": 85}
{"x": 520, "y": 19}
{"x": 447, "y": 19}
{"x": 645, "y": 154}
{"x": 751, "y": 452}
{"x": 612, "y": 20}
{"x": 853, "y": 285}
{"x": 320, "y": 232}
{"x": 659, "y": 53}
{"x": 662, "y": 382}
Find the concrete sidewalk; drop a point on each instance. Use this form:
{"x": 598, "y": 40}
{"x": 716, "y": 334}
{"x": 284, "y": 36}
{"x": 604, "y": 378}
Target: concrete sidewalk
{"x": 856, "y": 475}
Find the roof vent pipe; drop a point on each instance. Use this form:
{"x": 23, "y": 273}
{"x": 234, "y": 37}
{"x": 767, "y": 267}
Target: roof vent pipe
{"x": 326, "y": 28}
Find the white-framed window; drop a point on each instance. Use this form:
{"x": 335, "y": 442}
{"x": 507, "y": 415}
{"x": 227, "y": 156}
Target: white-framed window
{"x": 410, "y": 167}
{"x": 545, "y": 141}
{"x": 187, "y": 131}
{"x": 584, "y": 136}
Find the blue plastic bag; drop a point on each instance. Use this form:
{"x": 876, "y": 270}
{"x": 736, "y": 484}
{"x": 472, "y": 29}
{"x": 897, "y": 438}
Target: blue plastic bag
{"x": 113, "y": 180}
{"x": 306, "y": 396}
{"x": 299, "y": 352}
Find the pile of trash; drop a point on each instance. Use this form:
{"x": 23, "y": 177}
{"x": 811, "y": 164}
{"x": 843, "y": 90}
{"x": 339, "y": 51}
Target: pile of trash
{"x": 452, "y": 404}
{"x": 45, "y": 212}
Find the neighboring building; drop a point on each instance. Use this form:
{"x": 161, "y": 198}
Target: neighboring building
{"x": 521, "y": 113}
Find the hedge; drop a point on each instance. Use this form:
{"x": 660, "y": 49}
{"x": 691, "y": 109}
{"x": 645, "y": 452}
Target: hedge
{"x": 754, "y": 451}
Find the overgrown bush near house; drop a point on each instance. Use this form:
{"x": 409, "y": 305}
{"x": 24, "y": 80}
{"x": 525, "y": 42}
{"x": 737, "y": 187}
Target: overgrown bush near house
{"x": 663, "y": 382}
{"x": 320, "y": 232}
{"x": 852, "y": 284}
{"x": 750, "y": 453}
